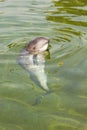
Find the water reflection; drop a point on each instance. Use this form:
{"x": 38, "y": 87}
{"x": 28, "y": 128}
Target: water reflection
{"x": 68, "y": 12}
{"x": 70, "y": 3}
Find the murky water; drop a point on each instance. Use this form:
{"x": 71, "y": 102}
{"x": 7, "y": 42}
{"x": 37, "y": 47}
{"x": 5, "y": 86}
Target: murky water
{"x": 64, "y": 22}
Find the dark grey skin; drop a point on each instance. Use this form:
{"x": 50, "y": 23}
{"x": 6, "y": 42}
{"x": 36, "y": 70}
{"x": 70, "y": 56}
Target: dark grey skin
{"x": 32, "y": 59}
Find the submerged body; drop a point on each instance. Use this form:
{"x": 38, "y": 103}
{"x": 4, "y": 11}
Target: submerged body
{"x": 32, "y": 59}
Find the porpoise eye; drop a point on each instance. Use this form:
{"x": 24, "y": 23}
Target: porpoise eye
{"x": 34, "y": 48}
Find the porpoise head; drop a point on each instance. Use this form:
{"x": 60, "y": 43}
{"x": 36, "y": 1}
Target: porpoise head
{"x": 37, "y": 45}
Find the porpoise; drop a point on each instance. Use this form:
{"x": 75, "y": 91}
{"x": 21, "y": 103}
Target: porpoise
{"x": 32, "y": 59}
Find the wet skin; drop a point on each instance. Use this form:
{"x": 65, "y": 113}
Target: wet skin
{"x": 37, "y": 45}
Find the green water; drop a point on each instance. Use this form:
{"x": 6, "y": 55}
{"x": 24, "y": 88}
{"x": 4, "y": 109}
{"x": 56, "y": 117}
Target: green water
{"x": 64, "y": 22}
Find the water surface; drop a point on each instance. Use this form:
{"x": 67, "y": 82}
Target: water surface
{"x": 64, "y": 22}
